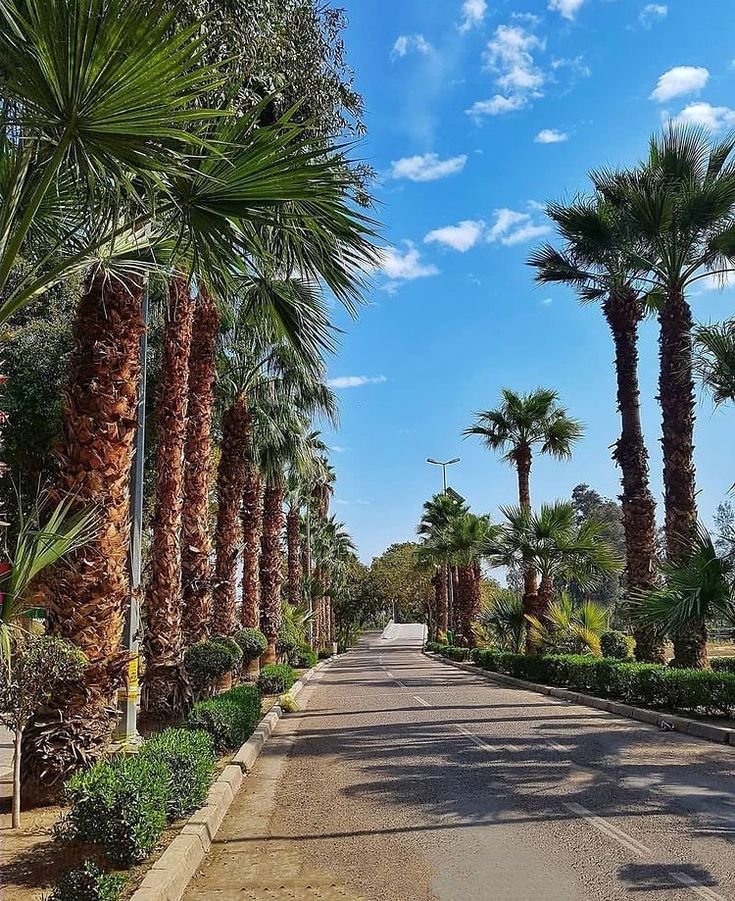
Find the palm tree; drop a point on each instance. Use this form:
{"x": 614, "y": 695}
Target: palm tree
{"x": 571, "y": 627}
{"x": 333, "y": 548}
{"x": 521, "y": 423}
{"x": 680, "y": 207}
{"x": 697, "y": 587}
{"x": 196, "y": 544}
{"x": 555, "y": 546}
{"x": 714, "y": 359}
{"x": 438, "y": 513}
{"x": 251, "y": 521}
{"x": 505, "y": 618}
{"x": 596, "y": 262}
{"x": 466, "y": 537}
{"x": 165, "y": 688}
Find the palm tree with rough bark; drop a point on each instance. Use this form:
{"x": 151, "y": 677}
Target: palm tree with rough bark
{"x": 465, "y": 537}
{"x": 596, "y": 262}
{"x": 680, "y": 205}
{"x": 521, "y": 423}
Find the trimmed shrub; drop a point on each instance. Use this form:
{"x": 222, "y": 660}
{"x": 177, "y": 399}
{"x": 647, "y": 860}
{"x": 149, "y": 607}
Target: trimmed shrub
{"x": 206, "y": 662}
{"x": 275, "y": 678}
{"x": 306, "y": 658}
{"x": 252, "y": 642}
{"x": 435, "y": 646}
{"x": 639, "y": 684}
{"x": 450, "y": 651}
{"x": 119, "y": 805}
{"x": 723, "y": 664}
{"x": 88, "y": 883}
{"x": 616, "y": 645}
{"x": 325, "y": 654}
{"x": 230, "y": 718}
{"x": 231, "y": 646}
{"x": 189, "y": 759}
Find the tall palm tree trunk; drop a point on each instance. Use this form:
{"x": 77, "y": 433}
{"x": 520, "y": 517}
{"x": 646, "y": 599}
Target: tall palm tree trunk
{"x": 624, "y": 313}
{"x": 252, "y": 518}
{"x": 230, "y": 487}
{"x": 271, "y": 567}
{"x": 196, "y": 544}
{"x": 541, "y": 602}
{"x": 523, "y": 460}
{"x": 292, "y": 548}
{"x": 165, "y": 689}
{"x": 442, "y": 599}
{"x": 86, "y": 597}
{"x": 676, "y": 394}
{"x": 467, "y": 596}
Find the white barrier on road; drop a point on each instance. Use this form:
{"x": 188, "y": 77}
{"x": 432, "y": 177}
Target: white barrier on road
{"x": 405, "y": 632}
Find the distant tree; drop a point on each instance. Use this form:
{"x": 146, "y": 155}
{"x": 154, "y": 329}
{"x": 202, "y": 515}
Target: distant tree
{"x": 724, "y": 532}
{"x": 396, "y": 576}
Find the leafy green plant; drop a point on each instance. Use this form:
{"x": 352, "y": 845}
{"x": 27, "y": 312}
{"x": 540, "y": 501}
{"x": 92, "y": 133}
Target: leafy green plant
{"x": 188, "y": 756}
{"x": 505, "y": 619}
{"x": 306, "y": 658}
{"x": 120, "y": 805}
{"x": 723, "y": 664}
{"x": 325, "y": 654}
{"x": 230, "y": 718}
{"x": 617, "y": 645}
{"x": 231, "y": 646}
{"x": 206, "y": 662}
{"x": 275, "y": 678}
{"x": 88, "y": 883}
{"x": 569, "y": 627}
{"x": 252, "y": 643}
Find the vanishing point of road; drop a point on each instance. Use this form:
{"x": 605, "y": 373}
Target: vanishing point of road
{"x": 405, "y": 779}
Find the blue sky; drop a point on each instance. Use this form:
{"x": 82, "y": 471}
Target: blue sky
{"x": 478, "y": 113}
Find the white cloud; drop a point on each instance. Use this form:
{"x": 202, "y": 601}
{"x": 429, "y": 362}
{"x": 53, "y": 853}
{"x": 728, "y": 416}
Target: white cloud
{"x": 546, "y": 302}
{"x": 718, "y": 282}
{"x": 473, "y": 13}
{"x": 426, "y": 167}
{"x": 651, "y": 13}
{"x": 461, "y": 237}
{"x": 551, "y": 136}
{"x": 337, "y": 449}
{"x": 356, "y": 381}
{"x": 678, "y": 81}
{"x": 714, "y": 118}
{"x": 514, "y": 227}
{"x": 495, "y": 106}
{"x": 405, "y": 266}
{"x": 567, "y": 8}
{"x": 407, "y": 42}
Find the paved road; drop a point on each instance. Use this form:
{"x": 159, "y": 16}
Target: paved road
{"x": 405, "y": 779}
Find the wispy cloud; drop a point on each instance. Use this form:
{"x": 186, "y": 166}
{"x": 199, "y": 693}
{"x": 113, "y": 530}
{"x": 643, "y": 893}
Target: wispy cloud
{"x": 405, "y": 43}
{"x": 679, "y": 81}
{"x": 515, "y": 227}
{"x": 546, "y": 302}
{"x": 461, "y": 237}
{"x": 551, "y": 136}
{"x": 495, "y": 106}
{"x": 714, "y": 118}
{"x": 510, "y": 55}
{"x": 427, "y": 167}
{"x": 360, "y": 502}
{"x": 355, "y": 381}
{"x": 567, "y": 8}
{"x": 406, "y": 265}
{"x": 651, "y": 13}
{"x": 338, "y": 449}
{"x": 473, "y": 14}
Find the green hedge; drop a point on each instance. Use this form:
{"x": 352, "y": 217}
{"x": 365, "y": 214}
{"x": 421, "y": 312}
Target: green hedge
{"x": 306, "y": 658}
{"x": 88, "y": 883}
{"x": 435, "y": 646}
{"x": 275, "y": 678}
{"x": 325, "y": 654}
{"x": 252, "y": 642}
{"x": 230, "y": 718}
{"x": 723, "y": 664}
{"x": 639, "y": 684}
{"x": 449, "y": 651}
{"x": 189, "y": 758}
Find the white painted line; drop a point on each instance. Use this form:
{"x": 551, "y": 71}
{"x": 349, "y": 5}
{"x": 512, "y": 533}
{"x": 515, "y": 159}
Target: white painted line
{"x": 474, "y": 738}
{"x": 691, "y": 883}
{"x": 421, "y": 701}
{"x": 611, "y": 831}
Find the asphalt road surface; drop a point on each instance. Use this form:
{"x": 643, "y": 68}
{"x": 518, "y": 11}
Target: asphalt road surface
{"x": 404, "y": 779}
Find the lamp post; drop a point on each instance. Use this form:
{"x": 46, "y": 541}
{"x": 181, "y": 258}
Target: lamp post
{"x": 444, "y": 464}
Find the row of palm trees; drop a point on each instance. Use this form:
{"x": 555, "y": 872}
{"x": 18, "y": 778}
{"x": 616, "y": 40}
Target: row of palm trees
{"x": 637, "y": 244}
{"x": 120, "y": 160}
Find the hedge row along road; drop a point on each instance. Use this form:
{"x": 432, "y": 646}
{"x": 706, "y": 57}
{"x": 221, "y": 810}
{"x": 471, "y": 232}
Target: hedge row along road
{"x": 404, "y": 779}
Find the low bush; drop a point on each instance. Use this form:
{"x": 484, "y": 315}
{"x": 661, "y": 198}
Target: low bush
{"x": 252, "y": 642}
{"x": 275, "y": 678}
{"x": 616, "y": 645}
{"x": 231, "y": 646}
{"x": 435, "y": 646}
{"x": 305, "y": 657}
{"x": 639, "y": 684}
{"x": 120, "y": 805}
{"x": 723, "y": 664}
{"x": 325, "y": 654}
{"x": 206, "y": 662}
{"x": 189, "y": 758}
{"x": 230, "y": 718}
{"x": 88, "y": 883}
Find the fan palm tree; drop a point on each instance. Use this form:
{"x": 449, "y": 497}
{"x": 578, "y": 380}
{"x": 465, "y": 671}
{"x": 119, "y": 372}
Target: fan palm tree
{"x": 595, "y": 261}
{"x": 553, "y": 544}
{"x": 571, "y": 628}
{"x": 251, "y": 522}
{"x": 680, "y": 205}
{"x": 695, "y": 588}
{"x": 714, "y": 359}
{"x": 438, "y": 513}
{"x": 520, "y": 424}
{"x": 333, "y": 548}
{"x": 505, "y": 618}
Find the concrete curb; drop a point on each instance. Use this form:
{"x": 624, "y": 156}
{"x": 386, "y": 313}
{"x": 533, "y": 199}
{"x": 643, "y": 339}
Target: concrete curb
{"x": 670, "y": 722}
{"x": 170, "y": 875}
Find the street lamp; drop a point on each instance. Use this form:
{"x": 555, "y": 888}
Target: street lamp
{"x": 444, "y": 468}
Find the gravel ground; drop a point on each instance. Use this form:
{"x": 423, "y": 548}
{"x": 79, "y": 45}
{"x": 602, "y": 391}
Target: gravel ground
{"x": 405, "y": 779}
